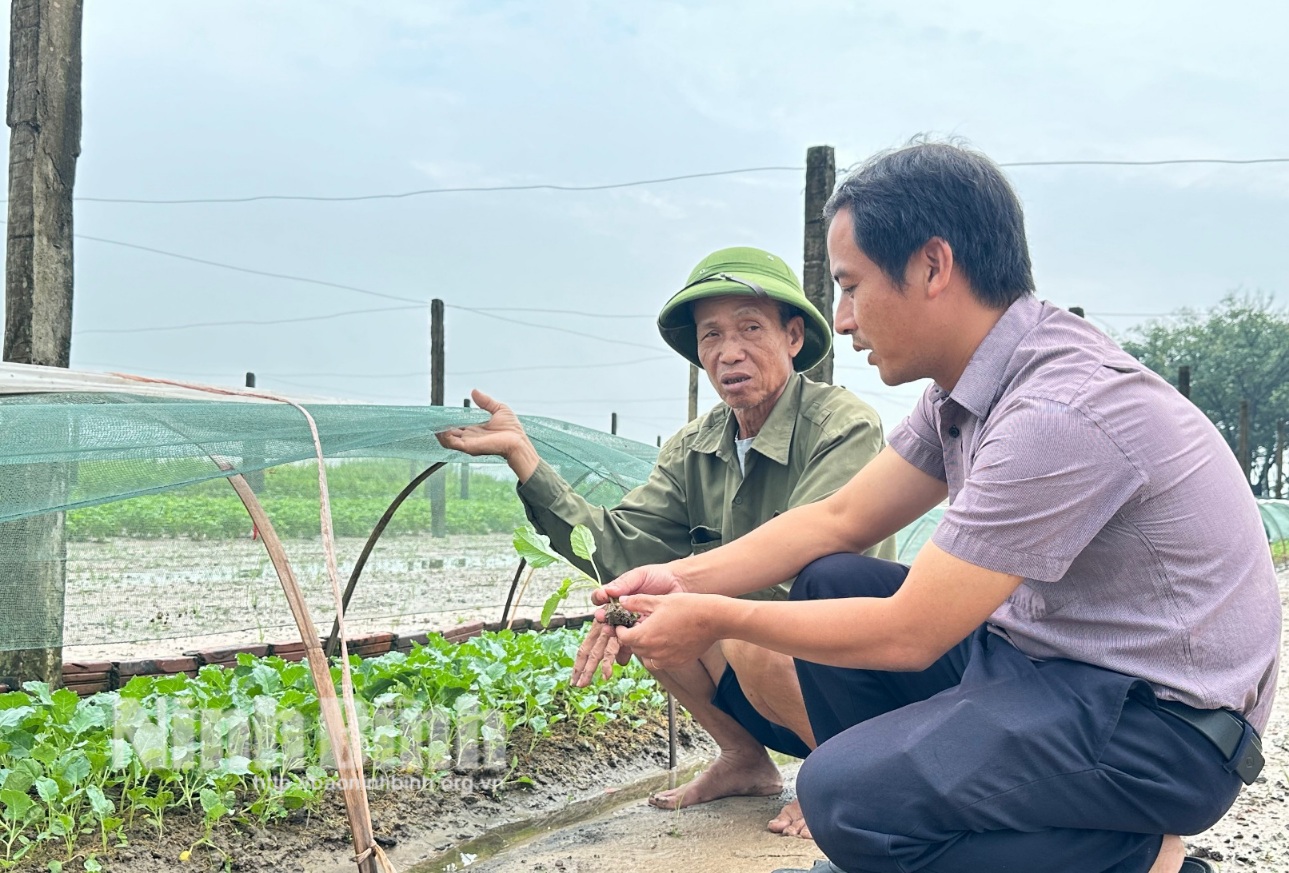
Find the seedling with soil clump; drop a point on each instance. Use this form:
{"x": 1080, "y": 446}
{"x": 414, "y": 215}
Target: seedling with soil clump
{"x": 536, "y": 549}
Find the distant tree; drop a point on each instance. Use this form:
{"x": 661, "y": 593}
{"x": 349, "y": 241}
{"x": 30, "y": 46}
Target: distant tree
{"x": 1237, "y": 350}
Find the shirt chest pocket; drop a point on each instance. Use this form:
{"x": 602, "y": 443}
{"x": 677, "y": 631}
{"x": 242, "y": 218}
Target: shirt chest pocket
{"x": 703, "y": 539}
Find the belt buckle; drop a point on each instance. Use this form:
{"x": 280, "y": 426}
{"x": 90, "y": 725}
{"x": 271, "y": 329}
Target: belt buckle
{"x": 1247, "y": 761}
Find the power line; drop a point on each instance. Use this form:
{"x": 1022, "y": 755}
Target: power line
{"x": 1161, "y": 163}
{"x": 427, "y": 191}
{"x": 1136, "y": 314}
{"x": 603, "y": 339}
{"x": 556, "y": 312}
{"x": 596, "y": 366}
{"x": 640, "y": 182}
{"x": 526, "y": 368}
{"x": 224, "y": 266}
{"x": 487, "y": 312}
{"x": 246, "y": 322}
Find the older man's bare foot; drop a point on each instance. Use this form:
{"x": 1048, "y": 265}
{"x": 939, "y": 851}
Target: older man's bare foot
{"x": 791, "y": 822}
{"x": 730, "y": 775}
{"x": 1171, "y": 855}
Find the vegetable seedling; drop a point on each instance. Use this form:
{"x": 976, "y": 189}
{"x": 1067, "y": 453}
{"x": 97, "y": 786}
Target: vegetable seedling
{"x": 536, "y": 550}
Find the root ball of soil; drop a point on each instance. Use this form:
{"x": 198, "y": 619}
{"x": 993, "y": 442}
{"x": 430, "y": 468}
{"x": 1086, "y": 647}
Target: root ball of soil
{"x": 619, "y": 616}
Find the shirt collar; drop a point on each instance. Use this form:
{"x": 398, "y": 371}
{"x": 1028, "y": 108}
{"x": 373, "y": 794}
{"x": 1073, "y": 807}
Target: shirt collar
{"x": 982, "y": 382}
{"x": 774, "y": 440}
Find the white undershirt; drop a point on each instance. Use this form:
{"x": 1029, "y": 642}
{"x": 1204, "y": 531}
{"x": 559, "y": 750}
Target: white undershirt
{"x": 741, "y": 446}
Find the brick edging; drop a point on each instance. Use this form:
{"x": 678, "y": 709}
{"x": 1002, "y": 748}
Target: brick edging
{"x": 91, "y": 677}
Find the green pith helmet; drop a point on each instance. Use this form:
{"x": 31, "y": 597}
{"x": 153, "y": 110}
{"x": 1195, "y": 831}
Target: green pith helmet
{"x": 743, "y": 271}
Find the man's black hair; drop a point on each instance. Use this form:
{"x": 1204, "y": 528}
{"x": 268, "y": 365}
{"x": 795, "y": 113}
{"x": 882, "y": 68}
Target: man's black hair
{"x": 902, "y": 198}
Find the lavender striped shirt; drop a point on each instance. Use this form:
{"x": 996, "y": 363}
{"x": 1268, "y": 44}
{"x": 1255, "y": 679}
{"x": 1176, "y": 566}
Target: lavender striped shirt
{"x": 1071, "y": 464}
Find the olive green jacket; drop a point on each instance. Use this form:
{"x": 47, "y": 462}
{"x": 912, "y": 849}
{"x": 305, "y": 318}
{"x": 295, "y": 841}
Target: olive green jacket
{"x": 696, "y": 498}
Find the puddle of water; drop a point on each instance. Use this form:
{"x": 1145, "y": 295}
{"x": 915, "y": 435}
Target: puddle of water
{"x": 508, "y": 836}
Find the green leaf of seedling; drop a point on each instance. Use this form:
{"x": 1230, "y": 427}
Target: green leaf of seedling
{"x": 16, "y": 804}
{"x": 48, "y": 790}
{"x": 101, "y": 805}
{"x": 72, "y": 767}
{"x": 64, "y": 705}
{"x": 212, "y": 804}
{"x": 236, "y": 765}
{"x": 39, "y": 690}
{"x": 87, "y": 717}
{"x": 12, "y": 718}
{"x": 92, "y": 865}
{"x": 19, "y": 779}
{"x": 553, "y": 602}
{"x": 534, "y": 548}
{"x": 583, "y": 542}
{"x": 55, "y": 867}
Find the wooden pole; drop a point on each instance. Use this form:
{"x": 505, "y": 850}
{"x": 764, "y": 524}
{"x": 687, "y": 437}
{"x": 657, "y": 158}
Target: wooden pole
{"x": 816, "y": 276}
{"x": 44, "y": 118}
{"x": 1244, "y": 439}
{"x": 693, "y": 393}
{"x": 1280, "y": 458}
{"x": 1184, "y": 380}
{"x": 437, "y": 484}
{"x": 613, "y": 423}
{"x": 254, "y": 450}
{"x": 465, "y": 470}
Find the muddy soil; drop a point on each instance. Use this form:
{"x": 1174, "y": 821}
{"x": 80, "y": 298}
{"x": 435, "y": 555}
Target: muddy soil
{"x": 160, "y": 598}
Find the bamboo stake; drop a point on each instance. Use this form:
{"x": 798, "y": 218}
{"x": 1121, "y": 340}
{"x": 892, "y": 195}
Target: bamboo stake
{"x": 350, "y": 770}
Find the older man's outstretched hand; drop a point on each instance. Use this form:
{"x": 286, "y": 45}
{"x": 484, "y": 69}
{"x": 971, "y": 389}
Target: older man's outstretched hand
{"x": 501, "y": 435}
{"x": 602, "y": 646}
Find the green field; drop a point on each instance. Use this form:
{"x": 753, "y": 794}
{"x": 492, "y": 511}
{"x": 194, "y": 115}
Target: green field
{"x": 359, "y": 490}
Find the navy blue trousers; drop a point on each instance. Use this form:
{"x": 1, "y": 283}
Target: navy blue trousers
{"x": 989, "y": 762}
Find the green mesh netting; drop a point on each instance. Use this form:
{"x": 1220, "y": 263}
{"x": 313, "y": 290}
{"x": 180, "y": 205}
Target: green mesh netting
{"x": 1275, "y": 519}
{"x": 62, "y": 451}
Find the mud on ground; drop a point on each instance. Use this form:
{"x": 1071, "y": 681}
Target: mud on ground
{"x": 417, "y": 827}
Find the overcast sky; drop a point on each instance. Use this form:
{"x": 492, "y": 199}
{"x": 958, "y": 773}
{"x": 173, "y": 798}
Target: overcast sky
{"x": 335, "y": 99}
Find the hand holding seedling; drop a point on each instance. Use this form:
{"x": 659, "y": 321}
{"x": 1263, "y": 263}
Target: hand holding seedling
{"x": 606, "y": 643}
{"x": 673, "y": 630}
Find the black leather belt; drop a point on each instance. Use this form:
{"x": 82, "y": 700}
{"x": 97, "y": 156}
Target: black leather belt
{"x": 1234, "y": 738}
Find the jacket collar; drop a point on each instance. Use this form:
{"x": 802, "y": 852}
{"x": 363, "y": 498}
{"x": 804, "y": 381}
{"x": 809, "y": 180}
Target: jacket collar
{"x": 719, "y": 427}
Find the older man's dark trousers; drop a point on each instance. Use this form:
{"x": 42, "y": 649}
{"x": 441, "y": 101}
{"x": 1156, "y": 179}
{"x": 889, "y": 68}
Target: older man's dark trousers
{"x": 989, "y": 762}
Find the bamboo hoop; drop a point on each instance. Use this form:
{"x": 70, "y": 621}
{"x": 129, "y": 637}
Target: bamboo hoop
{"x": 334, "y": 639}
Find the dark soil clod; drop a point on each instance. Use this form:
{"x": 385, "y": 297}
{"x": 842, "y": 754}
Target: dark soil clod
{"x": 619, "y": 616}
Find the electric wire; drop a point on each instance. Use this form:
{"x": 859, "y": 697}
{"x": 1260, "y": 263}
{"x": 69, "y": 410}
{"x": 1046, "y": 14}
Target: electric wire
{"x": 223, "y": 266}
{"x": 245, "y": 322}
{"x": 640, "y": 182}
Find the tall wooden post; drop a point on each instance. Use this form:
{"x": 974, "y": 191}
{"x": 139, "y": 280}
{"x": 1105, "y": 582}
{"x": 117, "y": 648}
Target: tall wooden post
{"x": 1280, "y": 458}
{"x": 465, "y": 470}
{"x": 1184, "y": 380}
{"x": 44, "y": 118}
{"x": 254, "y": 453}
{"x": 816, "y": 276}
{"x": 693, "y": 393}
{"x": 613, "y": 423}
{"x": 1243, "y": 442}
{"x": 438, "y": 482}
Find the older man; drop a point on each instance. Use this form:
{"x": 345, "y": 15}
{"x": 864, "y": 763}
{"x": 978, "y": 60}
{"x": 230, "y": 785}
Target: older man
{"x": 1076, "y": 667}
{"x": 777, "y": 440}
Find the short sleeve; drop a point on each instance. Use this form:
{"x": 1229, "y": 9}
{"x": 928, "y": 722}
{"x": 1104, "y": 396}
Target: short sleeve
{"x": 917, "y": 438}
{"x": 1044, "y": 481}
